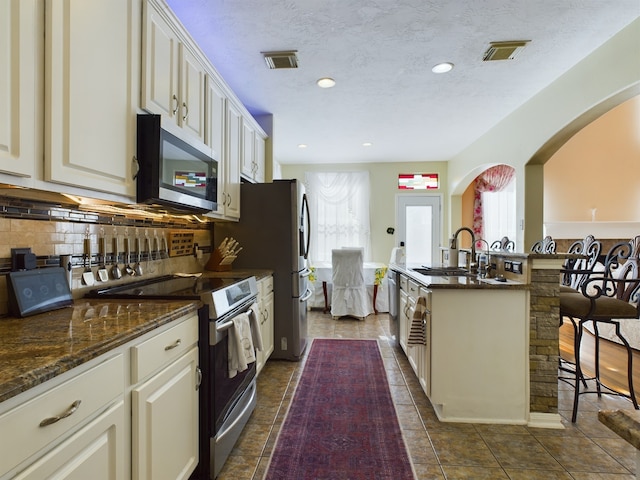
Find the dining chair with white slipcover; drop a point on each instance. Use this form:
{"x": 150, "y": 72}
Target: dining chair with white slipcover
{"x": 349, "y": 292}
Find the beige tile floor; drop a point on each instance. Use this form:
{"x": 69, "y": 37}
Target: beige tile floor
{"x": 586, "y": 450}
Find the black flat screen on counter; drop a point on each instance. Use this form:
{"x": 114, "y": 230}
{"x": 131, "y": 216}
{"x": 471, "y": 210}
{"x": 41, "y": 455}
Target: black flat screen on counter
{"x": 38, "y": 291}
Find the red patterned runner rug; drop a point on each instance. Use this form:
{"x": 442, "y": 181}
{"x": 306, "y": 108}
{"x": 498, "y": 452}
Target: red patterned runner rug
{"x": 342, "y": 424}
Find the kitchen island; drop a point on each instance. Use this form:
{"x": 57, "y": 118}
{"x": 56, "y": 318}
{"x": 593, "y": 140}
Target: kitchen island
{"x": 491, "y": 348}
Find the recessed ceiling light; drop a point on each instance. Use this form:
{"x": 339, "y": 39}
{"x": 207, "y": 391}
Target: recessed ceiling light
{"x": 326, "y": 82}
{"x": 442, "y": 67}
{"x": 367, "y": 144}
{"x": 302, "y": 145}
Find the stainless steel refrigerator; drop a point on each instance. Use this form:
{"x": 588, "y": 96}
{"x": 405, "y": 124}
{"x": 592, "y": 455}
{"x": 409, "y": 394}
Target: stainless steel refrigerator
{"x": 274, "y": 234}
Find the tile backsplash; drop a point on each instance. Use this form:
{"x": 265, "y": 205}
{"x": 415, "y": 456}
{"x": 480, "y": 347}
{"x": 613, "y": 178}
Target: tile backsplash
{"x": 52, "y": 232}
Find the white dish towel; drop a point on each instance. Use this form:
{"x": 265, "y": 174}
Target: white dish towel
{"x": 240, "y": 345}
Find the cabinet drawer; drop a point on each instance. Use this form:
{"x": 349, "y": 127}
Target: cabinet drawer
{"x": 152, "y": 354}
{"x": 404, "y": 283}
{"x": 22, "y": 435}
{"x": 413, "y": 289}
{"x": 266, "y": 285}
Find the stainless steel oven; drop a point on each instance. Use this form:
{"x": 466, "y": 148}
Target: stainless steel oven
{"x": 225, "y": 403}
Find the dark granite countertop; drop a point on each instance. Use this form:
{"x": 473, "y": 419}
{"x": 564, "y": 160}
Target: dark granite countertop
{"x": 456, "y": 282}
{"x": 36, "y": 349}
{"x": 625, "y": 423}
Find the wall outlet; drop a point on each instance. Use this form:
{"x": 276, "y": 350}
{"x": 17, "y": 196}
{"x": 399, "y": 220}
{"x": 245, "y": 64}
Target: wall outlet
{"x": 516, "y": 267}
{"x": 508, "y": 266}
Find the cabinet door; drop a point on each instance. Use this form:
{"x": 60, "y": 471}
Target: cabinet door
{"x": 232, "y": 178}
{"x": 19, "y": 67}
{"x": 165, "y": 422}
{"x": 248, "y": 164}
{"x": 216, "y": 120}
{"x": 92, "y": 75}
{"x": 259, "y": 158}
{"x": 412, "y": 350}
{"x": 402, "y": 320}
{"x": 96, "y": 451}
{"x": 192, "y": 90}
{"x": 267, "y": 330}
{"x": 160, "y": 65}
{"x": 265, "y": 316}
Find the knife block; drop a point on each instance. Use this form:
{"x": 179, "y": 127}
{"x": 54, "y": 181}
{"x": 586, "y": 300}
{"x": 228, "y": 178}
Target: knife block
{"x": 214, "y": 262}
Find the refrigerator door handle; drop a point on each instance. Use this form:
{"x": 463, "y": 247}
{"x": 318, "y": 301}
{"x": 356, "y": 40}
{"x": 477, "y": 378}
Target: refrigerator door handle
{"x": 306, "y": 272}
{"x": 307, "y": 295}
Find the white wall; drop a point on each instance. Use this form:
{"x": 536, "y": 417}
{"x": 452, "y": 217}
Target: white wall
{"x": 533, "y": 132}
{"x": 384, "y": 188}
{"x": 527, "y": 137}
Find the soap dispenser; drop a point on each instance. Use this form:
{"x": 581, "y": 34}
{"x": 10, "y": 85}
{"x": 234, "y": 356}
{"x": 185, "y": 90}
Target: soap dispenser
{"x": 453, "y": 253}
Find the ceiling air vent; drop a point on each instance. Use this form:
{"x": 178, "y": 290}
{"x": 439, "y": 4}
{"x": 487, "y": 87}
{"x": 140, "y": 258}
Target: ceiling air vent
{"x": 276, "y": 60}
{"x": 504, "y": 50}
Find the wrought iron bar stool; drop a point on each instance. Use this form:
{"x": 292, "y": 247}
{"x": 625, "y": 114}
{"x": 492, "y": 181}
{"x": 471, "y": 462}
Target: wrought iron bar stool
{"x": 605, "y": 298}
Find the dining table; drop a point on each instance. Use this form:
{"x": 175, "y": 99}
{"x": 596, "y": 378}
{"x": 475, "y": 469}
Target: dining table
{"x": 374, "y": 277}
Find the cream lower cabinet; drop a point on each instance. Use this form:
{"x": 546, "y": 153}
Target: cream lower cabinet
{"x": 92, "y": 72}
{"x": 403, "y": 313}
{"x": 97, "y": 422}
{"x": 164, "y": 402}
{"x": 419, "y": 356}
{"x": 265, "y": 316}
{"x": 165, "y": 422}
{"x": 21, "y": 69}
{"x": 73, "y": 430}
{"x": 95, "y": 452}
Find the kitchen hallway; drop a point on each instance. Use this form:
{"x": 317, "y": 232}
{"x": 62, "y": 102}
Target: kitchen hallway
{"x": 585, "y": 450}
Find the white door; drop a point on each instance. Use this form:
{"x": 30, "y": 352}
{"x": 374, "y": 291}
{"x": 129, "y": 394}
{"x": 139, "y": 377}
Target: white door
{"x": 419, "y": 228}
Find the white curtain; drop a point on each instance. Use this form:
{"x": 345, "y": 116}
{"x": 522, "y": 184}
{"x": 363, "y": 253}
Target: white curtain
{"x": 499, "y": 213}
{"x": 339, "y": 210}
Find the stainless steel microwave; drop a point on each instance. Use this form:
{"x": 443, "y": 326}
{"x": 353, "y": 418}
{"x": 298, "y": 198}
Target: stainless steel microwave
{"x": 173, "y": 173}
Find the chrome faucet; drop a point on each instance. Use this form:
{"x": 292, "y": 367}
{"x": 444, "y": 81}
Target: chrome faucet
{"x": 453, "y": 243}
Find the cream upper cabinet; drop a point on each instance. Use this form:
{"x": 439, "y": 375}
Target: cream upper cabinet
{"x": 216, "y": 130}
{"x": 259, "y": 157}
{"x": 20, "y": 72}
{"x": 253, "y": 151}
{"x": 234, "y": 147}
{"x": 91, "y": 93}
{"x": 248, "y": 162}
{"x": 173, "y": 78}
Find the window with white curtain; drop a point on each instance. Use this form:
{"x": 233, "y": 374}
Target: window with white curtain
{"x": 499, "y": 213}
{"x": 339, "y": 212}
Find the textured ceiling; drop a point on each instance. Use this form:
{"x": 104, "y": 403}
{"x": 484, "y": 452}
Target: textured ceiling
{"x": 380, "y": 52}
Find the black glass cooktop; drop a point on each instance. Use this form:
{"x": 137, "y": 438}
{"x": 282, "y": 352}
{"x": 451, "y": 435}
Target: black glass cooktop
{"x": 168, "y": 286}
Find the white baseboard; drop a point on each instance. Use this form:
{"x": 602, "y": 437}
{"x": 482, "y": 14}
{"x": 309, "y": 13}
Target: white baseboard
{"x": 545, "y": 420}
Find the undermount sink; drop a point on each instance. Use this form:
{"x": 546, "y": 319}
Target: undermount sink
{"x": 443, "y": 271}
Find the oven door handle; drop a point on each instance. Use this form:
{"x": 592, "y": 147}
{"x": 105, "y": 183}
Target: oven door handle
{"x": 227, "y": 325}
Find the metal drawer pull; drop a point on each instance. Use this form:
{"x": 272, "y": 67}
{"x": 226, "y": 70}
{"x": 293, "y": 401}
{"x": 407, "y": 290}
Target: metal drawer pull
{"x": 70, "y": 411}
{"x": 173, "y": 345}
{"x": 198, "y": 378}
